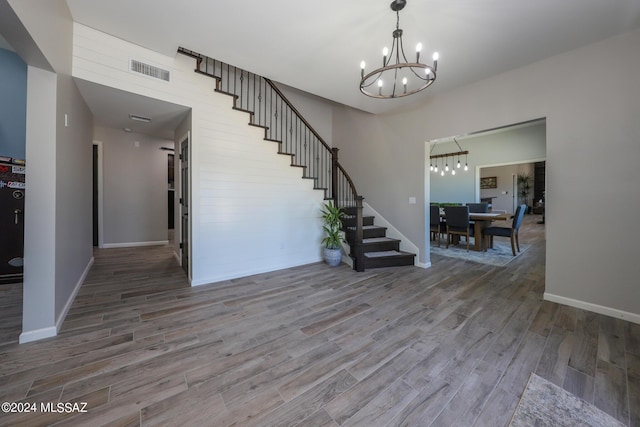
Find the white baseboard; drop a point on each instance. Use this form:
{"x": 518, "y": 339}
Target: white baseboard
{"x": 52, "y": 331}
{"x": 38, "y": 334}
{"x": 135, "y": 244}
{"x": 600, "y": 309}
{"x": 249, "y": 272}
{"x": 423, "y": 264}
{"x": 72, "y": 297}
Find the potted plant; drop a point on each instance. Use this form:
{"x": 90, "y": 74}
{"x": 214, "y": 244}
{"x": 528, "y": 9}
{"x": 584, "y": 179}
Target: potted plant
{"x": 524, "y": 188}
{"x": 334, "y": 236}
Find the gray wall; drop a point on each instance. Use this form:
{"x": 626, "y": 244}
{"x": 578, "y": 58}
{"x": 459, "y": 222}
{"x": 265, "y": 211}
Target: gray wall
{"x": 506, "y": 199}
{"x": 586, "y": 124}
{"x": 13, "y": 104}
{"x": 135, "y": 187}
{"x": 73, "y": 211}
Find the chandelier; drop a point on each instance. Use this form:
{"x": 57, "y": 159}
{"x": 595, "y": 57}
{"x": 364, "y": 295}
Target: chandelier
{"x": 435, "y": 159}
{"x": 398, "y": 79}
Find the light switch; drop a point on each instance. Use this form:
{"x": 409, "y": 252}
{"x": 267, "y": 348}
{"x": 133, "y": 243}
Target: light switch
{"x": 412, "y": 200}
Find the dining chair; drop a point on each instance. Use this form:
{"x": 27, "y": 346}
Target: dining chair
{"x": 457, "y": 222}
{"x": 436, "y": 226}
{"x": 476, "y": 208}
{"x": 511, "y": 232}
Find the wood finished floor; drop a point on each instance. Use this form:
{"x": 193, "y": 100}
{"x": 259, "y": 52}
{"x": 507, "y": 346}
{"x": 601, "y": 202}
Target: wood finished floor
{"x": 452, "y": 345}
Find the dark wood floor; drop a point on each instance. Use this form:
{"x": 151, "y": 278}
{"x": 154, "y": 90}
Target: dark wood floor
{"x": 452, "y": 345}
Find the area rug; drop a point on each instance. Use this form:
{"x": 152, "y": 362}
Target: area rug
{"x": 545, "y": 404}
{"x": 499, "y": 255}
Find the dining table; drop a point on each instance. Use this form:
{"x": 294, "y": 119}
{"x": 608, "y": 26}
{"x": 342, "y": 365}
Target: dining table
{"x": 481, "y": 219}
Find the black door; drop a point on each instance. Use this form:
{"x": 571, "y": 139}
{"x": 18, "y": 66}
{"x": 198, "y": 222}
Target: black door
{"x": 12, "y": 188}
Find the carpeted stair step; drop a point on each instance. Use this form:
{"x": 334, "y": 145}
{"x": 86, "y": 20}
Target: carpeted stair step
{"x": 388, "y": 259}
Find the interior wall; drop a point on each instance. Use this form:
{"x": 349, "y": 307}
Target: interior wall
{"x": 505, "y": 198}
{"x": 135, "y": 187}
{"x": 74, "y": 168}
{"x": 586, "y": 123}
{"x": 250, "y": 211}
{"x": 13, "y": 105}
{"x": 39, "y": 291}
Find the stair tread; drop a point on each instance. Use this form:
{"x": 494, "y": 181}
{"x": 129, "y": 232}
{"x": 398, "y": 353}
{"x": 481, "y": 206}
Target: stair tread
{"x": 368, "y": 227}
{"x": 379, "y": 239}
{"x": 387, "y": 254}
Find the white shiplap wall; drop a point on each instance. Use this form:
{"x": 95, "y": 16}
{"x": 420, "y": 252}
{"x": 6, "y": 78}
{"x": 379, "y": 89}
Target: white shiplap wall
{"x": 250, "y": 211}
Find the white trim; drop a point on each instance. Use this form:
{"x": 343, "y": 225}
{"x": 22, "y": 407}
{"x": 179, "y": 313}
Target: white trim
{"x": 251, "y": 272}
{"x": 72, "y": 297}
{"x": 178, "y": 258}
{"x": 583, "y": 305}
{"x": 100, "y": 194}
{"x": 135, "y": 244}
{"x": 38, "y": 334}
{"x": 423, "y": 264}
{"x": 392, "y": 232}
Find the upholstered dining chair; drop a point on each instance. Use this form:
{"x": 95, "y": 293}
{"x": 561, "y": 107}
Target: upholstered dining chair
{"x": 436, "y": 226}
{"x": 476, "y": 208}
{"x": 457, "y": 222}
{"x": 511, "y": 232}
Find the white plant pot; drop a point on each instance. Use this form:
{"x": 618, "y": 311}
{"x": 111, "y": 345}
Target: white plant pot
{"x": 333, "y": 257}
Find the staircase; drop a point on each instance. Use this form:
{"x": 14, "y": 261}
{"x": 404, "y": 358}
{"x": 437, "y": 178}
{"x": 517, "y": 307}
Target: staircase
{"x": 270, "y": 110}
{"x": 377, "y": 250}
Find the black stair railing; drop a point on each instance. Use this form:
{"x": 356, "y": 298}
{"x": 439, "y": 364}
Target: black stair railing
{"x": 283, "y": 123}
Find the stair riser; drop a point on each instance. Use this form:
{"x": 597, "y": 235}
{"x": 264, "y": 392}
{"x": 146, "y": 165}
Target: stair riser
{"x": 393, "y": 245}
{"x": 367, "y": 234}
{"x": 351, "y": 222}
{"x": 388, "y": 262}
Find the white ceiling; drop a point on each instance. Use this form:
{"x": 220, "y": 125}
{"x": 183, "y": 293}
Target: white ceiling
{"x": 317, "y": 46}
{"x": 112, "y": 107}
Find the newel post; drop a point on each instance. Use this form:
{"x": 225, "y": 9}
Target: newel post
{"x": 334, "y": 175}
{"x": 358, "y": 264}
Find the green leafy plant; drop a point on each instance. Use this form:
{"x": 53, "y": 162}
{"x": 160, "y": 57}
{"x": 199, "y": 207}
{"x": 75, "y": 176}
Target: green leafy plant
{"x": 332, "y": 216}
{"x": 524, "y": 187}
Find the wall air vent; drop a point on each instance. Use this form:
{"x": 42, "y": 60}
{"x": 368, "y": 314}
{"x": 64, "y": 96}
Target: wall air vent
{"x": 149, "y": 70}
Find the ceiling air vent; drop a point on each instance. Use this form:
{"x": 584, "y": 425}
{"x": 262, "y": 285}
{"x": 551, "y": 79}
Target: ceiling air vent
{"x": 150, "y": 70}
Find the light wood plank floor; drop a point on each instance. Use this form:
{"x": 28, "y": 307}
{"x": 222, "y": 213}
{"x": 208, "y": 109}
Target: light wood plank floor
{"x": 452, "y": 345}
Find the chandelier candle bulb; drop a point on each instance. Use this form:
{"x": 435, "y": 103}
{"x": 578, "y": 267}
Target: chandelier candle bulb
{"x": 362, "y": 65}
{"x": 385, "y": 52}
{"x": 418, "y": 49}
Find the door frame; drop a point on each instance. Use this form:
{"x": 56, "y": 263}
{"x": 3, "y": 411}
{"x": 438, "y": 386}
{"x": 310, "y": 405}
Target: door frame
{"x": 181, "y": 233}
{"x": 100, "y": 193}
